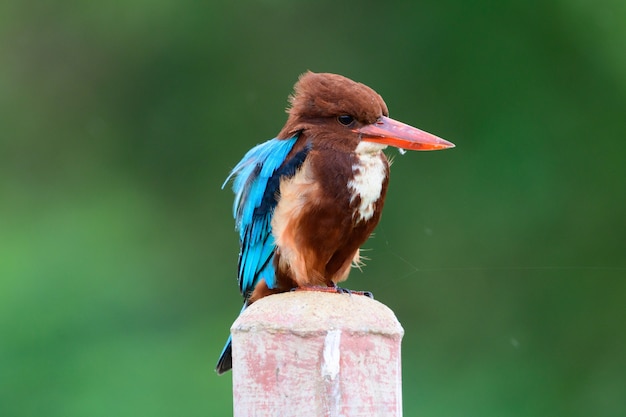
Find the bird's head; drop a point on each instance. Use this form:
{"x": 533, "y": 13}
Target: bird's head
{"x": 336, "y": 111}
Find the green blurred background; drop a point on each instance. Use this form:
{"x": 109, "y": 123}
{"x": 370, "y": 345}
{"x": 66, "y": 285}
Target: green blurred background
{"x": 504, "y": 259}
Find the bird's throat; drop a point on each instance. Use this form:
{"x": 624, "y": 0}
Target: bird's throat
{"x": 370, "y": 172}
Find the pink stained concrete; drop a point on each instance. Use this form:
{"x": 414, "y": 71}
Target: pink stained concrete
{"x": 317, "y": 354}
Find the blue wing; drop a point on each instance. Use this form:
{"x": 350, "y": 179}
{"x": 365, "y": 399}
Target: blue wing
{"x": 256, "y": 186}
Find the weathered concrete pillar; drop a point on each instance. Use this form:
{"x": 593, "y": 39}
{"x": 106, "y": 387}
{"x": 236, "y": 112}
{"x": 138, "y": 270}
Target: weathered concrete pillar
{"x": 308, "y": 353}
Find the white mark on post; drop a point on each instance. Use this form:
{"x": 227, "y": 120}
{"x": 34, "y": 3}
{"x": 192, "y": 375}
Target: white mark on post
{"x": 330, "y": 370}
{"x": 330, "y": 360}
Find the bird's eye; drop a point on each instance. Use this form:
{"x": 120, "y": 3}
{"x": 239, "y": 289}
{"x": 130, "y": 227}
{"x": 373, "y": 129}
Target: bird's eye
{"x": 345, "y": 119}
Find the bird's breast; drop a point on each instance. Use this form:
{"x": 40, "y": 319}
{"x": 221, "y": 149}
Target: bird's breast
{"x": 369, "y": 175}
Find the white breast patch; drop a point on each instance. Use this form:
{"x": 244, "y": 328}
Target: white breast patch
{"x": 367, "y": 184}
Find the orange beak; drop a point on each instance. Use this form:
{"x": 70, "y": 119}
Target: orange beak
{"x": 391, "y": 132}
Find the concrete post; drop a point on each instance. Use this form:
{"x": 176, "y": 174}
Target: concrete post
{"x": 308, "y": 353}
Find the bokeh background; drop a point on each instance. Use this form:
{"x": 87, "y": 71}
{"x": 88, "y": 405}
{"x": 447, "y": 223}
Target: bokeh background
{"x": 504, "y": 258}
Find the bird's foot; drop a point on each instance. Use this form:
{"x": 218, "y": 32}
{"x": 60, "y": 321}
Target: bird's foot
{"x": 347, "y": 291}
{"x": 333, "y": 289}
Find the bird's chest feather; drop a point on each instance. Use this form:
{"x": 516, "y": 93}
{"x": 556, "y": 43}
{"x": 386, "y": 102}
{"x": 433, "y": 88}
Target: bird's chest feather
{"x": 369, "y": 174}
{"x": 333, "y": 187}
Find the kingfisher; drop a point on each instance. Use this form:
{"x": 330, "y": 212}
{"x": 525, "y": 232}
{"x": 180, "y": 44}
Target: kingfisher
{"x": 308, "y": 199}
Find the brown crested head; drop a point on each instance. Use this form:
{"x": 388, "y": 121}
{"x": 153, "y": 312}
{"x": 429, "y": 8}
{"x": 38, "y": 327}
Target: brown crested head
{"x": 325, "y": 102}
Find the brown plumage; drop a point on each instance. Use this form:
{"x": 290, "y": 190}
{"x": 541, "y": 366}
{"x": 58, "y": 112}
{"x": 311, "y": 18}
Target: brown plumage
{"x": 319, "y": 98}
{"x": 317, "y": 229}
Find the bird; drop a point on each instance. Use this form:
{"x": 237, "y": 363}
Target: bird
{"x": 306, "y": 200}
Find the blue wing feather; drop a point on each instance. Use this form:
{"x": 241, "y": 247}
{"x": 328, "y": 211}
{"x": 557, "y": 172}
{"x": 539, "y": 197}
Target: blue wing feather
{"x": 256, "y": 184}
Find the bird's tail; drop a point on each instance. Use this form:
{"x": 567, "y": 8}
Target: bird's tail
{"x": 225, "y": 362}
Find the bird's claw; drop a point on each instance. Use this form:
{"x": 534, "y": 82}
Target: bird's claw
{"x": 343, "y": 290}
